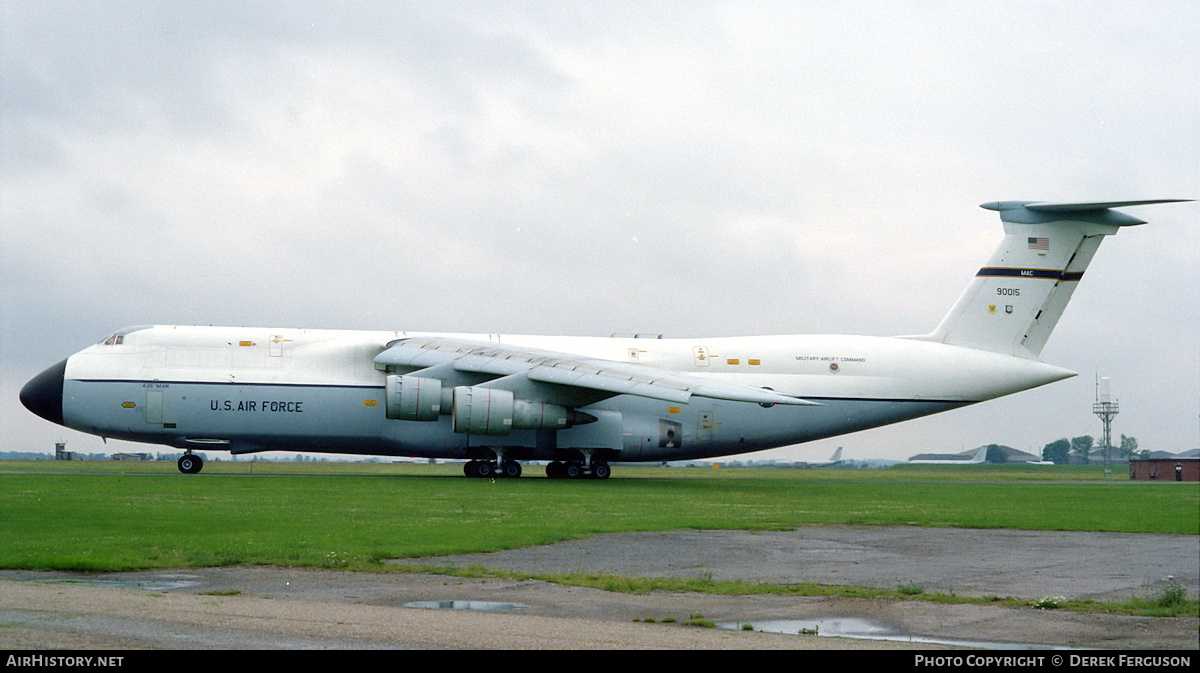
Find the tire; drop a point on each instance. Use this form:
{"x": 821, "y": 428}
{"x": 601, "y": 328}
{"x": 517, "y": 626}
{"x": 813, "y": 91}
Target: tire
{"x": 189, "y": 464}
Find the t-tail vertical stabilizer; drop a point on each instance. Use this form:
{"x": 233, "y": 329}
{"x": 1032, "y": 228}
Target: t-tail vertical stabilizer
{"x": 1014, "y": 302}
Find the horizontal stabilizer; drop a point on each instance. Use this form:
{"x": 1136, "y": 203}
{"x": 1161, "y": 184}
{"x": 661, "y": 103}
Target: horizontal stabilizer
{"x": 1033, "y": 212}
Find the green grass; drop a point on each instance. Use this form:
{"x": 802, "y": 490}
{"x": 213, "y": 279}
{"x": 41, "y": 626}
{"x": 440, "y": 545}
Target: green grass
{"x": 324, "y": 517}
{"x": 900, "y": 472}
{"x": 65, "y": 516}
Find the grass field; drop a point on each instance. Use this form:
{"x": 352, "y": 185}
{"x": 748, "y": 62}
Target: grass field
{"x": 125, "y": 516}
{"x": 113, "y": 516}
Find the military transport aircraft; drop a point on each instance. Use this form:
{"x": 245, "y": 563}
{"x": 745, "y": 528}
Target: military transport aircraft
{"x": 578, "y": 402}
{"x": 834, "y": 461}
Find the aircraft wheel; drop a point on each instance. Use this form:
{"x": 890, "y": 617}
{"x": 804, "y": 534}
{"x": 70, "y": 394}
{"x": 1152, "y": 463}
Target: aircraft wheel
{"x": 554, "y": 469}
{"x": 190, "y": 464}
{"x": 478, "y": 468}
{"x": 511, "y": 468}
{"x": 601, "y": 470}
{"x": 572, "y": 470}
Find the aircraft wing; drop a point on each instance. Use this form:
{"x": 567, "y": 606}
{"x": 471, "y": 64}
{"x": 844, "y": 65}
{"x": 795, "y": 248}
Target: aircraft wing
{"x": 595, "y": 375}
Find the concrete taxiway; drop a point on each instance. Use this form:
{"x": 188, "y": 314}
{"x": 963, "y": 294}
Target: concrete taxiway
{"x": 286, "y": 608}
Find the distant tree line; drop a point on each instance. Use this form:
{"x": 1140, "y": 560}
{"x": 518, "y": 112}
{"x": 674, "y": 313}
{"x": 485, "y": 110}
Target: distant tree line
{"x": 1060, "y": 451}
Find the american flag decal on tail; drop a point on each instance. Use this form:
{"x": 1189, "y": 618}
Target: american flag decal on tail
{"x": 1039, "y": 243}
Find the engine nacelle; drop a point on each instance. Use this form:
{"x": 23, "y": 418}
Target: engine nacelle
{"x": 475, "y": 410}
{"x": 494, "y": 411}
{"x": 483, "y": 411}
{"x": 414, "y": 398}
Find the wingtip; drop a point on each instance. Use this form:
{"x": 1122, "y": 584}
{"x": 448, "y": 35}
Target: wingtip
{"x": 790, "y": 400}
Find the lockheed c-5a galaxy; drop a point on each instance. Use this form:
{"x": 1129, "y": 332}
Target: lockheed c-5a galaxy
{"x": 580, "y": 403}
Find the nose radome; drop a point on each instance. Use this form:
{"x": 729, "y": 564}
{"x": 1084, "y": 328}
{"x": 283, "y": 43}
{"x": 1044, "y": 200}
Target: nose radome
{"x": 43, "y": 395}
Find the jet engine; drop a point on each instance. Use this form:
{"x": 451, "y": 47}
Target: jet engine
{"x": 414, "y": 398}
{"x": 475, "y": 410}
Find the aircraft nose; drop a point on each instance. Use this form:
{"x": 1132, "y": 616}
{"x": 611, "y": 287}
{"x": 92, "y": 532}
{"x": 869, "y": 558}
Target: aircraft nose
{"x": 43, "y": 395}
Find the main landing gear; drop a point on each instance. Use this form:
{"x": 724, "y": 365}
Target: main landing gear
{"x": 558, "y": 469}
{"x": 576, "y": 469}
{"x": 190, "y": 463}
{"x": 490, "y": 468}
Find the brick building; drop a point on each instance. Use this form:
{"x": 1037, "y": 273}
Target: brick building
{"x": 1165, "y": 469}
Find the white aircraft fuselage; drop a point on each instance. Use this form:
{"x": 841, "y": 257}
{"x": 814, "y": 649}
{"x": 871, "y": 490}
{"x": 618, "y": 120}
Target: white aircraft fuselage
{"x": 580, "y": 402}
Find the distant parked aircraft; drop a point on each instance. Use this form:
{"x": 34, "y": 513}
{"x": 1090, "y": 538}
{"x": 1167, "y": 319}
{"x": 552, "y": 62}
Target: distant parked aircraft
{"x": 980, "y": 456}
{"x": 834, "y": 461}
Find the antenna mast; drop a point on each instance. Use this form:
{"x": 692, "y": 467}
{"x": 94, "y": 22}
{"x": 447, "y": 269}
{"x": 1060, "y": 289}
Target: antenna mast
{"x": 1106, "y": 409}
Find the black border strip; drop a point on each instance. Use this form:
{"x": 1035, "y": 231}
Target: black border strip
{"x": 1005, "y": 272}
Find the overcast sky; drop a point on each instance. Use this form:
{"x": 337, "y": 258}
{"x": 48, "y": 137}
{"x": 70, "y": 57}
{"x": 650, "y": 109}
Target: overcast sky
{"x": 684, "y": 168}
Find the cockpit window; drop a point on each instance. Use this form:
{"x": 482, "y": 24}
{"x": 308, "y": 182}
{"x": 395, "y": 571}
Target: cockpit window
{"x": 118, "y": 337}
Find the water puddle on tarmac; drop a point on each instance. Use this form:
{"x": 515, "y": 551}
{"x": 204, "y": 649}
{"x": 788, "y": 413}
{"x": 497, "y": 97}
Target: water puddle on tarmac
{"x": 490, "y": 606}
{"x": 852, "y": 627}
{"x": 160, "y": 583}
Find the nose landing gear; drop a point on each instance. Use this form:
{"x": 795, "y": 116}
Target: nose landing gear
{"x": 190, "y": 463}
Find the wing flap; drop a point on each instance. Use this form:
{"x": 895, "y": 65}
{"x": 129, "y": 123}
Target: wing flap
{"x": 617, "y": 385}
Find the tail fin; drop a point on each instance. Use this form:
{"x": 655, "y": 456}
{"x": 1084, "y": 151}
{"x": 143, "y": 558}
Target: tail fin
{"x": 1014, "y": 302}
